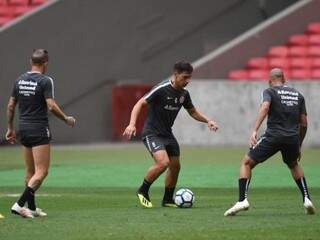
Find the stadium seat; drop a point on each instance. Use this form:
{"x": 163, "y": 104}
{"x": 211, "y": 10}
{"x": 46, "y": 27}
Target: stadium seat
{"x": 18, "y": 11}
{"x": 278, "y": 51}
{"x": 37, "y": 2}
{"x": 18, "y": 2}
{"x": 6, "y": 11}
{"x": 315, "y": 62}
{"x": 258, "y": 74}
{"x": 314, "y": 51}
{"x": 238, "y": 75}
{"x": 283, "y": 63}
{"x": 258, "y": 63}
{"x": 4, "y": 20}
{"x": 298, "y": 40}
{"x": 314, "y": 28}
{"x": 298, "y": 51}
{"x": 314, "y": 39}
{"x": 315, "y": 74}
{"x": 300, "y": 74}
{"x": 300, "y": 63}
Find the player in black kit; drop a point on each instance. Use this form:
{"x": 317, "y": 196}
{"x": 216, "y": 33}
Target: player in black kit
{"x": 34, "y": 93}
{"x": 164, "y": 102}
{"x": 286, "y": 129}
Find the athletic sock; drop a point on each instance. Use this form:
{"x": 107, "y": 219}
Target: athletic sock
{"x": 26, "y": 196}
{"x": 144, "y": 188}
{"x": 302, "y": 184}
{"x": 243, "y": 188}
{"x": 168, "y": 195}
{"x": 31, "y": 201}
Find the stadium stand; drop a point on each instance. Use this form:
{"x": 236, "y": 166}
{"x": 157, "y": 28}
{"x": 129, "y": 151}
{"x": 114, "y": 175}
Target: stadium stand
{"x": 10, "y": 9}
{"x": 299, "y": 57}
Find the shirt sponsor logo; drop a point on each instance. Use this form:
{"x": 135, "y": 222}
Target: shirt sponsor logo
{"x": 171, "y": 108}
{"x": 27, "y": 88}
{"x": 288, "y": 98}
{"x": 181, "y": 100}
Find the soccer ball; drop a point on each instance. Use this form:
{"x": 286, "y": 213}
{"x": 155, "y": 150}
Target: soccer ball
{"x": 184, "y": 198}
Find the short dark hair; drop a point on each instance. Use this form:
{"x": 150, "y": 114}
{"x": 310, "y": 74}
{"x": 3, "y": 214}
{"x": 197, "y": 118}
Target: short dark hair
{"x": 39, "y": 56}
{"x": 183, "y": 66}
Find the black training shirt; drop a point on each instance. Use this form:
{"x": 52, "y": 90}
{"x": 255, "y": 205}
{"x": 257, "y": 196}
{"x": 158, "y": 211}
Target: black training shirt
{"x": 286, "y": 106}
{"x": 30, "y": 91}
{"x": 164, "y": 103}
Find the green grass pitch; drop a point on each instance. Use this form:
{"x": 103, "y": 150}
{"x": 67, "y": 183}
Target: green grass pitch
{"x": 90, "y": 194}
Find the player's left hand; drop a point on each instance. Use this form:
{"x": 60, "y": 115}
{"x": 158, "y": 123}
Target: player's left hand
{"x": 212, "y": 125}
{"x": 253, "y": 139}
{"x": 11, "y": 136}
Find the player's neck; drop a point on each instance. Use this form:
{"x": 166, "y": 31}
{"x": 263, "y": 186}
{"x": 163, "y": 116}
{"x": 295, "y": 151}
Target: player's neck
{"x": 37, "y": 69}
{"x": 174, "y": 85}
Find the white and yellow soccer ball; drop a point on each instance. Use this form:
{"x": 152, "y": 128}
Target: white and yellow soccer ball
{"x": 184, "y": 198}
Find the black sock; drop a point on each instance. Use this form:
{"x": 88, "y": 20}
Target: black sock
{"x": 144, "y": 188}
{"x": 31, "y": 201}
{"x": 302, "y": 184}
{"x": 168, "y": 195}
{"x": 26, "y": 196}
{"x": 243, "y": 188}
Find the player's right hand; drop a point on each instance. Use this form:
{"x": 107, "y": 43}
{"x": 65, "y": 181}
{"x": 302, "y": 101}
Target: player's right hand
{"x": 129, "y": 131}
{"x": 253, "y": 139}
{"x": 71, "y": 121}
{"x": 11, "y": 136}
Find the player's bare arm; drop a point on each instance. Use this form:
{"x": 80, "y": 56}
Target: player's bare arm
{"x": 194, "y": 113}
{"x": 55, "y": 109}
{"x": 131, "y": 128}
{"x": 11, "y": 135}
{"x": 263, "y": 112}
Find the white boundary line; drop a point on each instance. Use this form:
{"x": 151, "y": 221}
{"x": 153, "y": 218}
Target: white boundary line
{"x": 14, "y": 195}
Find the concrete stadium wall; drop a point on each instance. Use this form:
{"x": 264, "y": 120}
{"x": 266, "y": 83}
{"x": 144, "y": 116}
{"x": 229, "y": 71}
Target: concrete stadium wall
{"x": 256, "y": 42}
{"x": 93, "y": 43}
{"x": 234, "y": 105}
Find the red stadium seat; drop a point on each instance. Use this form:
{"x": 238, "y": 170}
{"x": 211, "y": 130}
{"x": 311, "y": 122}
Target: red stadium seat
{"x": 238, "y": 75}
{"x": 300, "y": 62}
{"x": 315, "y": 74}
{"x": 258, "y": 74}
{"x": 298, "y": 40}
{"x": 6, "y": 11}
{"x": 37, "y": 2}
{"x": 278, "y": 51}
{"x": 18, "y": 11}
{"x": 258, "y": 63}
{"x": 298, "y": 51}
{"x": 314, "y": 39}
{"x": 279, "y": 63}
{"x": 287, "y": 74}
{"x": 18, "y": 2}
{"x": 314, "y": 51}
{"x": 4, "y": 20}
{"x": 315, "y": 62}
{"x": 300, "y": 74}
{"x": 314, "y": 28}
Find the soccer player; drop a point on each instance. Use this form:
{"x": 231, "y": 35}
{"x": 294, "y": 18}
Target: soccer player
{"x": 164, "y": 102}
{"x": 34, "y": 92}
{"x": 286, "y": 129}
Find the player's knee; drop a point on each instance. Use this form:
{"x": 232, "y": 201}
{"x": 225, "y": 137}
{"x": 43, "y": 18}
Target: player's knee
{"x": 248, "y": 162}
{"x": 40, "y": 175}
{"x": 163, "y": 165}
{"x": 292, "y": 165}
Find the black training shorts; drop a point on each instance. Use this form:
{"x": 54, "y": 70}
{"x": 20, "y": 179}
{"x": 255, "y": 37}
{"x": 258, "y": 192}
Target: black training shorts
{"x": 155, "y": 143}
{"x": 268, "y": 145}
{"x": 35, "y": 137}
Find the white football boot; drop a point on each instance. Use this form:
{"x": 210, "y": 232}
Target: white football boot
{"x": 239, "y": 206}
{"x": 38, "y": 213}
{"x": 308, "y": 206}
{"x": 22, "y": 211}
